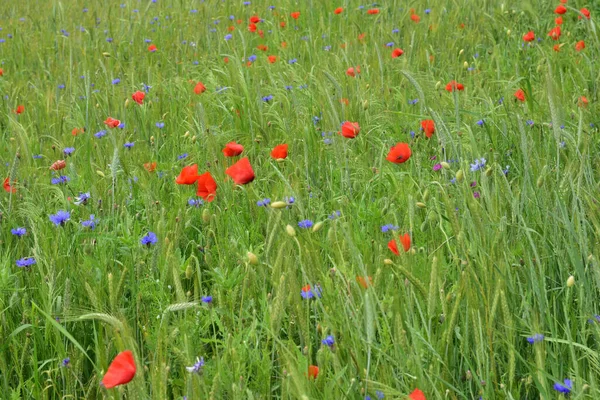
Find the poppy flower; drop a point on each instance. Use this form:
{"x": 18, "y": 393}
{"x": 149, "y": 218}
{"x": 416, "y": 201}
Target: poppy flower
{"x": 255, "y": 19}
{"x": 241, "y": 172}
{"x": 295, "y": 14}
{"x": 58, "y": 165}
{"x": 262, "y": 47}
{"x": 261, "y": 33}
{"x": 282, "y": 24}
{"x": 393, "y": 246}
{"x": 233, "y": 149}
{"x": 120, "y": 371}
{"x": 112, "y": 123}
{"x": 152, "y": 48}
{"x": 560, "y": 9}
{"x": 373, "y": 11}
{"x": 556, "y": 47}
{"x": 207, "y": 187}
{"x": 352, "y": 72}
{"x": 1, "y": 72}
{"x": 583, "y": 101}
{"x": 361, "y": 36}
{"x": 284, "y": 45}
{"x": 453, "y": 85}
{"x": 313, "y": 371}
{"x": 150, "y": 167}
{"x": 397, "y": 53}
{"x": 558, "y": 20}
{"x": 138, "y": 97}
{"x": 555, "y": 33}
{"x": 580, "y": 45}
{"x": 20, "y": 109}
{"x": 338, "y": 10}
{"x": 529, "y": 36}
{"x": 399, "y": 153}
{"x": 350, "y": 130}
{"x": 272, "y": 59}
{"x": 428, "y": 127}
{"x": 77, "y": 131}
{"x": 415, "y": 18}
{"x": 280, "y": 152}
{"x": 344, "y": 101}
{"x": 417, "y": 395}
{"x": 520, "y": 95}
{"x": 188, "y": 175}
{"x": 405, "y": 240}
{"x": 199, "y": 88}
{"x": 584, "y": 11}
{"x": 226, "y": 60}
{"x": 7, "y": 187}
{"x": 363, "y": 282}
{"x": 252, "y": 27}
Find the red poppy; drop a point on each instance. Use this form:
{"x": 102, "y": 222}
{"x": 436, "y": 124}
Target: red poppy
{"x": 560, "y": 9}
{"x": 520, "y": 95}
{"x": 583, "y": 101}
{"x": 283, "y": 44}
{"x": 255, "y": 19}
{"x": 361, "y": 36}
{"x": 226, "y": 60}
{"x": 558, "y": 20}
{"x": 272, "y": 59}
{"x": 199, "y": 88}
{"x": 262, "y": 47}
{"x": 280, "y": 152}
{"x": 363, "y": 282}
{"x": 112, "y": 123}
{"x": 344, "y": 101}
{"x": 233, "y": 149}
{"x": 352, "y": 72}
{"x": 152, "y": 48}
{"x": 580, "y": 45}
{"x": 120, "y": 371}
{"x": 77, "y": 131}
{"x": 20, "y": 109}
{"x": 338, "y": 10}
{"x": 556, "y": 47}
{"x": 1, "y": 72}
{"x": 373, "y": 11}
{"x": 397, "y": 53}
{"x": 453, "y": 85}
{"x": 405, "y": 240}
{"x": 399, "y": 153}
{"x": 415, "y": 18}
{"x": 188, "y": 175}
{"x": 417, "y": 395}
{"x": 252, "y": 27}
{"x": 207, "y": 187}
{"x": 295, "y": 14}
{"x": 282, "y": 24}
{"x": 138, "y": 97}
{"x": 584, "y": 11}
{"x": 241, "y": 172}
{"x": 350, "y": 130}
{"x": 150, "y": 167}
{"x": 313, "y": 371}
{"x": 555, "y": 33}
{"x": 261, "y": 33}
{"x": 7, "y": 187}
{"x": 428, "y": 127}
{"x": 231, "y": 28}
{"x": 58, "y": 165}
{"x": 393, "y": 246}
{"x": 529, "y": 36}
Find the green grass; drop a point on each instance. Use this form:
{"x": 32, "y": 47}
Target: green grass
{"x": 450, "y": 316}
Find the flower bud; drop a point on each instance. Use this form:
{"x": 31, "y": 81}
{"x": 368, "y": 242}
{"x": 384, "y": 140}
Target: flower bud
{"x": 445, "y": 165}
{"x": 317, "y": 226}
{"x": 571, "y": 281}
{"x": 460, "y": 175}
{"x": 278, "y": 204}
{"x": 290, "y": 230}
{"x": 252, "y": 258}
{"x": 205, "y": 215}
{"x": 421, "y": 205}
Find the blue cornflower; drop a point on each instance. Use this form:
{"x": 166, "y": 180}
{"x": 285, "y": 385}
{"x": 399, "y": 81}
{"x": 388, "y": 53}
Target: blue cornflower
{"x": 480, "y": 122}
{"x": 197, "y": 367}
{"x": 389, "y": 227}
{"x": 307, "y": 223}
{"x": 146, "y": 87}
{"x": 328, "y": 341}
{"x": 129, "y": 145}
{"x": 37, "y": 156}
{"x": 289, "y": 87}
{"x": 335, "y": 215}
{"x": 231, "y": 17}
{"x": 65, "y": 362}
{"x": 413, "y": 102}
{"x": 181, "y": 157}
{"x": 18, "y": 231}
{"x": 90, "y": 223}
{"x": 566, "y": 388}
{"x": 379, "y": 394}
{"x": 116, "y": 81}
{"x": 160, "y": 125}
{"x": 316, "y": 120}
{"x": 479, "y": 164}
{"x": 293, "y": 61}
{"x": 207, "y": 299}
{"x": 529, "y": 122}
{"x": 538, "y": 337}
{"x": 82, "y": 198}
{"x": 505, "y": 171}
{"x": 501, "y": 100}
{"x": 121, "y": 125}
{"x": 395, "y": 30}
{"x": 247, "y": 3}
{"x": 427, "y": 11}
{"x": 268, "y": 98}
{"x": 263, "y": 202}
{"x": 252, "y": 58}
{"x": 60, "y": 217}
{"x": 68, "y": 151}
{"x": 290, "y": 200}
{"x": 453, "y": 180}
{"x": 326, "y": 48}
{"x": 61, "y": 86}
{"x": 149, "y": 239}
{"x": 100, "y": 134}
{"x": 412, "y": 134}
{"x": 389, "y": 44}
{"x": 25, "y": 262}
{"x": 61, "y": 179}
{"x": 147, "y": 40}
{"x": 195, "y": 202}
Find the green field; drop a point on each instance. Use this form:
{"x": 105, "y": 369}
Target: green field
{"x": 434, "y": 223}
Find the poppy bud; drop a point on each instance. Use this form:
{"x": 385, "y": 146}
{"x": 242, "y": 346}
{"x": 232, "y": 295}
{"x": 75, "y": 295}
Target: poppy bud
{"x": 445, "y": 165}
{"x": 540, "y": 181}
{"x": 330, "y": 235}
{"x": 438, "y": 84}
{"x": 126, "y": 102}
{"x": 290, "y": 230}
{"x": 421, "y": 205}
{"x": 105, "y": 54}
{"x": 367, "y": 86}
{"x": 187, "y": 134}
{"x": 426, "y": 195}
{"x": 571, "y": 281}
{"x": 278, "y": 204}
{"x": 205, "y": 215}
{"x": 488, "y": 171}
{"x": 167, "y": 241}
{"x": 365, "y": 104}
{"x": 460, "y": 53}
{"x": 194, "y": 139}
{"x": 590, "y": 258}
{"x": 508, "y": 32}
{"x": 252, "y": 258}
{"x": 317, "y": 226}
{"x": 460, "y": 175}
{"x": 188, "y": 293}
{"x": 101, "y": 173}
{"x": 189, "y": 271}
{"x": 387, "y": 261}
{"x": 413, "y": 251}
{"x": 465, "y": 65}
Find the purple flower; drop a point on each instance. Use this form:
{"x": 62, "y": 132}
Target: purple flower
{"x": 207, "y": 299}
{"x": 335, "y": 215}
{"x": 328, "y": 341}
{"x": 437, "y": 167}
{"x": 82, "y": 198}
{"x": 566, "y": 388}
{"x": 68, "y": 151}
{"x": 65, "y": 362}
{"x": 197, "y": 367}
{"x": 388, "y": 227}
{"x": 476, "y": 195}
{"x": 149, "y": 239}
{"x": 252, "y": 58}
{"x": 160, "y": 125}
{"x": 25, "y": 262}
{"x": 480, "y": 122}
{"x": 60, "y": 217}
{"x": 389, "y": 44}
{"x": 100, "y": 134}
{"x": 479, "y": 164}
{"x": 129, "y": 145}
{"x": 90, "y": 223}
{"x": 116, "y": 81}
{"x": 228, "y": 36}
{"x": 293, "y": 61}
{"x": 181, "y": 157}
{"x": 263, "y": 202}
{"x": 18, "y": 231}
{"x": 379, "y": 394}
{"x": 268, "y": 98}
{"x": 538, "y": 337}
{"x": 59, "y": 180}
{"x": 307, "y": 223}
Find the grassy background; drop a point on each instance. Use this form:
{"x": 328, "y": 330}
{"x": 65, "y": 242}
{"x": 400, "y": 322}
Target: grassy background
{"x": 450, "y": 317}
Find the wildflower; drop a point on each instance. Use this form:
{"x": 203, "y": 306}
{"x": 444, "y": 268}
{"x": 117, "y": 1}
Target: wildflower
{"x": 453, "y": 85}
{"x": 232, "y": 149}
{"x": 263, "y": 202}
{"x": 560, "y": 9}
{"x": 111, "y": 122}
{"x": 373, "y": 11}
{"x": 82, "y": 198}
{"x": 397, "y": 53}
{"x": 352, "y": 71}
{"x": 505, "y": 171}
{"x": 241, "y": 172}
{"x": 197, "y": 367}
{"x": 195, "y": 202}
{"x": 428, "y": 126}
{"x": 206, "y": 299}
{"x": 585, "y": 12}
{"x": 152, "y": 48}
{"x": 268, "y": 98}
{"x": 580, "y": 45}
{"x": 120, "y": 371}
{"x": 7, "y": 187}
{"x": 437, "y": 167}
{"x": 68, "y": 151}
{"x": 26, "y": 262}
{"x": 328, "y": 341}
{"x": 150, "y": 166}
{"x": 349, "y": 130}
{"x": 476, "y": 195}
{"x": 199, "y": 88}
{"x": 65, "y": 362}
{"x": 116, "y": 81}
{"x": 20, "y": 109}
{"x": 59, "y": 180}
{"x": 60, "y": 218}
{"x": 555, "y": 33}
{"x": 293, "y": 61}
{"x": 90, "y": 223}
{"x": 404, "y": 239}
{"x": 388, "y": 227}
{"x": 18, "y": 231}
{"x": 307, "y": 223}
{"x": 479, "y": 164}
{"x": 564, "y": 388}
{"x": 338, "y": 10}
{"x": 280, "y": 152}
{"x": 160, "y": 125}
{"x": 252, "y": 58}
{"x": 207, "y": 187}
{"x": 379, "y": 394}
{"x": 399, "y": 153}
{"x": 100, "y": 134}
{"x": 529, "y": 36}
{"x": 149, "y": 239}
{"x": 129, "y": 145}
{"x": 308, "y": 294}
{"x": 295, "y": 14}
{"x": 417, "y": 394}
{"x": 182, "y": 156}
{"x": 480, "y": 122}
{"x": 538, "y": 337}
{"x": 335, "y": 215}
{"x": 138, "y": 97}
{"x": 313, "y": 371}
{"x": 188, "y": 175}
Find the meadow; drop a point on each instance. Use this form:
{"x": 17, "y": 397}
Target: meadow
{"x": 208, "y": 199}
